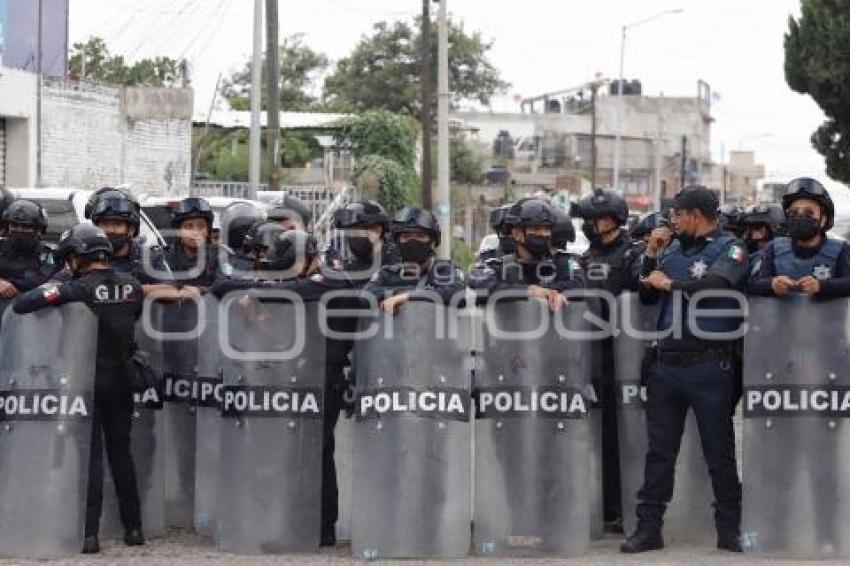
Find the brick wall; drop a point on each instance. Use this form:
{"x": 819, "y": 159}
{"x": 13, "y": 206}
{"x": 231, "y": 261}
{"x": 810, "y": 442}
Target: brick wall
{"x": 88, "y": 141}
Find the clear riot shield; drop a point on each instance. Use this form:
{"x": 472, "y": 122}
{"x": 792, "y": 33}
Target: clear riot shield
{"x": 180, "y": 354}
{"x": 47, "y": 365}
{"x": 689, "y": 515}
{"x": 208, "y": 420}
{"x": 796, "y": 400}
{"x": 532, "y": 432}
{"x": 271, "y": 436}
{"x": 412, "y": 443}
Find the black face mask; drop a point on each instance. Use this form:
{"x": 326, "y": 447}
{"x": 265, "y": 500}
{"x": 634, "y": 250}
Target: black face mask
{"x": 361, "y": 247}
{"x": 23, "y": 244}
{"x": 415, "y": 251}
{"x": 803, "y": 227}
{"x": 118, "y": 241}
{"x": 538, "y": 246}
{"x": 752, "y": 246}
{"x": 687, "y": 240}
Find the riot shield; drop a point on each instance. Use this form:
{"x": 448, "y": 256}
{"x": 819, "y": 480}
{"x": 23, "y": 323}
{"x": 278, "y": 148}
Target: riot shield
{"x": 796, "y": 400}
{"x": 344, "y": 462}
{"x": 47, "y": 364}
{"x": 271, "y": 438}
{"x": 147, "y": 438}
{"x": 208, "y": 420}
{"x": 179, "y": 359}
{"x": 689, "y": 515}
{"x": 532, "y": 432}
{"x": 412, "y": 441}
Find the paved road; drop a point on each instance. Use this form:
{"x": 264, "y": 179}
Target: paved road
{"x": 181, "y": 548}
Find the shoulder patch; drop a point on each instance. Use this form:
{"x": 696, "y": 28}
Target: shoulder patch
{"x": 736, "y": 253}
{"x": 50, "y": 292}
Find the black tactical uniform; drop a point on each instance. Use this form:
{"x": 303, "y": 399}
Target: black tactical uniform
{"x": 418, "y": 270}
{"x": 561, "y": 271}
{"x": 613, "y": 267}
{"x": 116, "y": 299}
{"x": 183, "y": 261}
{"x": 25, "y": 261}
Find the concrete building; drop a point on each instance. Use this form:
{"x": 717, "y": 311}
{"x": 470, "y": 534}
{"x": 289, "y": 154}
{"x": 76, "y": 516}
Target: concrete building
{"x": 93, "y": 135}
{"x": 739, "y": 179}
{"x": 552, "y": 146}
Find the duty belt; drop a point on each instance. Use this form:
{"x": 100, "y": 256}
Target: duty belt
{"x": 689, "y": 357}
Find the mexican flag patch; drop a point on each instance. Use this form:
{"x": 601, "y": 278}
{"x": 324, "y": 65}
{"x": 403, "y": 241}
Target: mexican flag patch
{"x": 737, "y": 254}
{"x": 51, "y": 293}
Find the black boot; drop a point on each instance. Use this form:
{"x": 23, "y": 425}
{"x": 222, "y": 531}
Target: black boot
{"x": 134, "y": 537}
{"x": 729, "y": 540}
{"x": 328, "y": 536}
{"x": 91, "y": 545}
{"x": 646, "y": 537}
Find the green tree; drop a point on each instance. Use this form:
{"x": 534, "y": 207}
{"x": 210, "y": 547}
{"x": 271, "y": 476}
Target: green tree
{"x": 300, "y": 67}
{"x": 385, "y": 147}
{"x": 817, "y": 63}
{"x": 225, "y": 154}
{"x": 467, "y": 168}
{"x": 101, "y": 65}
{"x": 383, "y": 71}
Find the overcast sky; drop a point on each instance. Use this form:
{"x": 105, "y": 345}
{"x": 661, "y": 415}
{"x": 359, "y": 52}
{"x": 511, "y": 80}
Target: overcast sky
{"x": 539, "y": 45}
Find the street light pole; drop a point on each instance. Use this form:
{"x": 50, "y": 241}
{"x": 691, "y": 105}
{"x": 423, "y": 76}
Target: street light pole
{"x": 618, "y": 133}
{"x": 442, "y": 198}
{"x": 256, "y": 85}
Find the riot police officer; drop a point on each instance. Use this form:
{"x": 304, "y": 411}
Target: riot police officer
{"x": 532, "y": 268}
{"x": 763, "y": 222}
{"x": 192, "y": 218}
{"x": 291, "y": 212}
{"x": 6, "y": 198}
{"x": 498, "y": 243}
{"x": 416, "y": 232}
{"x": 116, "y": 299}
{"x": 691, "y": 367}
{"x": 808, "y": 261}
{"x": 236, "y": 220}
{"x": 25, "y": 260}
{"x": 119, "y": 217}
{"x": 259, "y": 239}
{"x": 610, "y": 264}
{"x": 730, "y": 217}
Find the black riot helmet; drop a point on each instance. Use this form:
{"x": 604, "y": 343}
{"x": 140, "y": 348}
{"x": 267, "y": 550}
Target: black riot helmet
{"x": 110, "y": 207}
{"x": 286, "y": 247}
{"x": 602, "y": 203}
{"x": 105, "y": 192}
{"x": 25, "y": 213}
{"x": 806, "y": 187}
{"x": 730, "y": 217}
{"x": 290, "y": 208}
{"x": 361, "y": 214}
{"x": 531, "y": 212}
{"x": 192, "y": 207}
{"x": 563, "y": 231}
{"x": 85, "y": 241}
{"x": 262, "y": 234}
{"x": 417, "y": 219}
{"x": 236, "y": 220}
{"x": 768, "y": 214}
{"x": 647, "y": 223}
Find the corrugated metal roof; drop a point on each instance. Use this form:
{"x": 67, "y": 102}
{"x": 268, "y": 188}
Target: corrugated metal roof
{"x": 288, "y": 120}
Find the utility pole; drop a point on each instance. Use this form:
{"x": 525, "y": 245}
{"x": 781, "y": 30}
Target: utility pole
{"x": 256, "y": 85}
{"x": 38, "y": 83}
{"x": 593, "y": 90}
{"x": 443, "y": 199}
{"x": 684, "y": 162}
{"x": 425, "y": 116}
{"x": 272, "y": 97}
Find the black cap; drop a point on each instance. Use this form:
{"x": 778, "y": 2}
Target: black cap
{"x": 697, "y": 197}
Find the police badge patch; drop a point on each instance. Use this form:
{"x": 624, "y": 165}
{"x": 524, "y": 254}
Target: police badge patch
{"x": 822, "y": 272}
{"x": 699, "y": 269}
